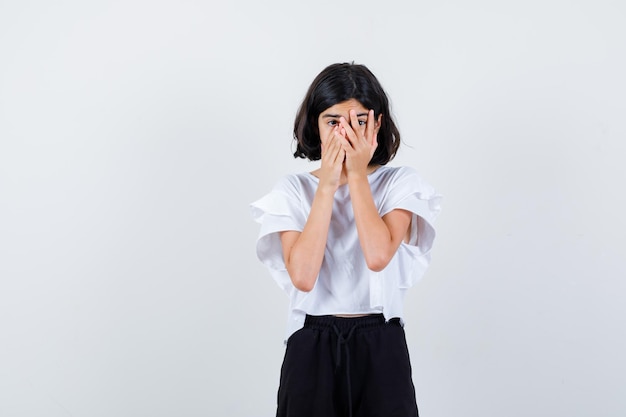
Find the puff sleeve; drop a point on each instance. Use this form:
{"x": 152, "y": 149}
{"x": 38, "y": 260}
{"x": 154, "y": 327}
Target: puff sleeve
{"x": 278, "y": 211}
{"x": 408, "y": 191}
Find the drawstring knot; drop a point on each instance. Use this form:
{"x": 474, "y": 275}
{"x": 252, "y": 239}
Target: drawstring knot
{"x": 343, "y": 341}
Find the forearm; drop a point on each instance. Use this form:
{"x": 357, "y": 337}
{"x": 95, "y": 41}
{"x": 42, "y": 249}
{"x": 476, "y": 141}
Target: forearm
{"x": 305, "y": 255}
{"x": 374, "y": 235}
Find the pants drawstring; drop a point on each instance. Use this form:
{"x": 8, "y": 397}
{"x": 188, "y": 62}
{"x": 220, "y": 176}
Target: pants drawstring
{"x": 343, "y": 341}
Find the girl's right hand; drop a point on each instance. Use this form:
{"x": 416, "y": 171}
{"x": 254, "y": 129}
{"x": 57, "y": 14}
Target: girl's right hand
{"x": 333, "y": 156}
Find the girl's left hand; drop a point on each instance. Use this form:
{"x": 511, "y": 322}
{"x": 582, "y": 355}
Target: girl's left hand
{"x": 361, "y": 142}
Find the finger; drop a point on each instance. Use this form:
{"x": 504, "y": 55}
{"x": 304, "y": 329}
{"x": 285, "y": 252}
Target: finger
{"x": 349, "y": 131}
{"x": 325, "y": 141}
{"x": 376, "y": 130}
{"x": 354, "y": 121}
{"x": 333, "y": 132}
{"x": 335, "y": 145}
{"x": 347, "y": 146}
{"x": 370, "y": 127}
{"x": 345, "y": 139}
{"x": 341, "y": 152}
{"x": 378, "y": 124}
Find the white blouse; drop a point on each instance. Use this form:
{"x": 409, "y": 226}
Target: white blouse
{"x": 345, "y": 285}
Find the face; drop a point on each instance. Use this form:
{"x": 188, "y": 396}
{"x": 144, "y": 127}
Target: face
{"x": 329, "y": 118}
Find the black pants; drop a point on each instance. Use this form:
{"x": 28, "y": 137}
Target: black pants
{"x": 347, "y": 367}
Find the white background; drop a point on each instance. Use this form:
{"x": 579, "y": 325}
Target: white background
{"x": 134, "y": 134}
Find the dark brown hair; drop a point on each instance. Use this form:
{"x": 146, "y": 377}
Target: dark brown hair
{"x": 336, "y": 84}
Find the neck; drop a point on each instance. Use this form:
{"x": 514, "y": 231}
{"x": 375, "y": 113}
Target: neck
{"x": 344, "y": 173}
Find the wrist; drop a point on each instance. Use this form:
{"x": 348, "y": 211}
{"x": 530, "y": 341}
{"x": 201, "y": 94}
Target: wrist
{"x": 357, "y": 176}
{"x": 326, "y": 189}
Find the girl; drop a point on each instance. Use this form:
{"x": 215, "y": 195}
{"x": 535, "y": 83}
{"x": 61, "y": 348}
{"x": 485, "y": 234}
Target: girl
{"x": 345, "y": 242}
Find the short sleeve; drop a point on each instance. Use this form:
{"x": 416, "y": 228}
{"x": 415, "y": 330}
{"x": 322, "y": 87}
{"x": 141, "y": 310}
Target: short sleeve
{"x": 408, "y": 191}
{"x": 278, "y": 211}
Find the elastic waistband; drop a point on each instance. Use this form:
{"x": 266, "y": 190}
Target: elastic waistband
{"x": 343, "y": 329}
{"x": 342, "y": 323}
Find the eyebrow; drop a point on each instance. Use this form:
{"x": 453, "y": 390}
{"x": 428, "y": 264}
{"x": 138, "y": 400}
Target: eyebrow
{"x": 336, "y": 116}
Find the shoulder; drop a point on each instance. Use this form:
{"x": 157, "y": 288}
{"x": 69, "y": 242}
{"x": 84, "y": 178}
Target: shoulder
{"x": 294, "y": 184}
{"x": 391, "y": 175}
{"x": 286, "y": 197}
{"x": 404, "y": 178}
